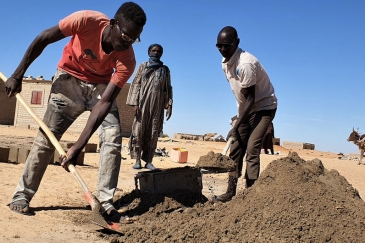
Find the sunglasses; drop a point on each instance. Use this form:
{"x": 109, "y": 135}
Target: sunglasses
{"x": 127, "y": 38}
{"x": 226, "y": 45}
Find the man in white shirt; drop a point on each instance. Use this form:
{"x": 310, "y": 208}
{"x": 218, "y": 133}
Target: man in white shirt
{"x": 256, "y": 101}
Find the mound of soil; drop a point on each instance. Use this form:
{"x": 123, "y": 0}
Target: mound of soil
{"x": 292, "y": 201}
{"x": 216, "y": 162}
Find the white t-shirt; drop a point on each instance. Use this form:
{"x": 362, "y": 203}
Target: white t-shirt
{"x": 244, "y": 70}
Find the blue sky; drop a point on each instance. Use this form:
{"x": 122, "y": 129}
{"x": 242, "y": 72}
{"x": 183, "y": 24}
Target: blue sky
{"x": 312, "y": 50}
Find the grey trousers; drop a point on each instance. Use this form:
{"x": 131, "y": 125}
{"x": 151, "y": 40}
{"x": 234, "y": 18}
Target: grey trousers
{"x": 69, "y": 98}
{"x": 251, "y": 134}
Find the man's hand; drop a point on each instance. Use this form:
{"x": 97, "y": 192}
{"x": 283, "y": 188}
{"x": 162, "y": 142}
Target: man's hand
{"x": 232, "y": 133}
{"x": 13, "y": 86}
{"x": 168, "y": 112}
{"x": 70, "y": 158}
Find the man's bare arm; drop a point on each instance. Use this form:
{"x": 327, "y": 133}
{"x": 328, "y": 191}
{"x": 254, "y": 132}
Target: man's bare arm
{"x": 48, "y": 36}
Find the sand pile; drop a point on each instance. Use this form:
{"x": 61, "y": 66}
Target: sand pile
{"x": 293, "y": 201}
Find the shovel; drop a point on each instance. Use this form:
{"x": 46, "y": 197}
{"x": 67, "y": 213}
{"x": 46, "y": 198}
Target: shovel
{"x": 228, "y": 145}
{"x": 90, "y": 198}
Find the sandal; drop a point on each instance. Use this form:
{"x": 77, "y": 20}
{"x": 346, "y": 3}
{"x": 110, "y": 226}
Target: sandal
{"x": 116, "y": 217}
{"x": 150, "y": 166}
{"x": 137, "y": 166}
{"x": 125, "y": 220}
{"x": 20, "y": 206}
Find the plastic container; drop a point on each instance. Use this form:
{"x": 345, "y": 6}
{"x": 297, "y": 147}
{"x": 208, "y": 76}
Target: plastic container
{"x": 179, "y": 155}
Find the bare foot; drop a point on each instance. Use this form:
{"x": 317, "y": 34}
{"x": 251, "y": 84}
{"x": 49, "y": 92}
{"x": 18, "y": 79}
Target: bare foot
{"x": 20, "y": 206}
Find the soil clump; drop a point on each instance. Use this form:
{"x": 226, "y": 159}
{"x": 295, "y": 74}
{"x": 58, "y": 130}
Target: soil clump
{"x": 216, "y": 162}
{"x": 293, "y": 201}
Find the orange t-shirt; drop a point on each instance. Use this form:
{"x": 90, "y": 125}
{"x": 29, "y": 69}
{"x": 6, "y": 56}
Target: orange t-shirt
{"x": 83, "y": 56}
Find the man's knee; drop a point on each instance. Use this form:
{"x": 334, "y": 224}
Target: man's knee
{"x": 111, "y": 135}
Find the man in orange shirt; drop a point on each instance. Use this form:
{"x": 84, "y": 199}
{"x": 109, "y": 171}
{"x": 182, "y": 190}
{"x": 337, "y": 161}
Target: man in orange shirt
{"x": 95, "y": 64}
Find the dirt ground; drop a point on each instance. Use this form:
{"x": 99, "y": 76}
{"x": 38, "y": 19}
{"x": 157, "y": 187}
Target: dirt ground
{"x": 306, "y": 196}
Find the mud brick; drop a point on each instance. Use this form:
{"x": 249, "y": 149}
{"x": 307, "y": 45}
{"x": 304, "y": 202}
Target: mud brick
{"x": 170, "y": 180}
{"x": 62, "y": 143}
{"x": 13, "y": 154}
{"x": 276, "y": 141}
{"x": 28, "y": 145}
{"x": 69, "y": 144}
{"x": 90, "y": 148}
{"x": 80, "y": 159}
{"x": 56, "y": 158}
{"x": 4, "y": 154}
{"x": 23, "y": 154}
{"x": 51, "y": 161}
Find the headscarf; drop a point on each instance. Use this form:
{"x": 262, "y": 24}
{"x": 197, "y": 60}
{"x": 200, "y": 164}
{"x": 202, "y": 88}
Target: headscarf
{"x": 154, "y": 62}
{"x": 153, "y": 45}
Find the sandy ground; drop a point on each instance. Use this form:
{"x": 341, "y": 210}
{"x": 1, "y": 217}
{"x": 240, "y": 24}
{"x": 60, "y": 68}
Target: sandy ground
{"x": 59, "y": 195}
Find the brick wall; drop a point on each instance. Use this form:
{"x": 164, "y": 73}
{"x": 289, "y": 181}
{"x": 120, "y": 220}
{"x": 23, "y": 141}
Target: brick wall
{"x": 23, "y": 119}
{"x": 276, "y": 141}
{"x": 298, "y": 145}
{"x": 7, "y": 106}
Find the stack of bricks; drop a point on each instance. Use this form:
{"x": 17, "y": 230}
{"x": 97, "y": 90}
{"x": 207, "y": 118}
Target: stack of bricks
{"x": 16, "y": 150}
{"x": 298, "y": 145}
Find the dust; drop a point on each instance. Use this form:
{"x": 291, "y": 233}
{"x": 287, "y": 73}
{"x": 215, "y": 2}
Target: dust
{"x": 216, "y": 162}
{"x": 292, "y": 201}
{"x": 85, "y": 217}
{"x": 97, "y": 218}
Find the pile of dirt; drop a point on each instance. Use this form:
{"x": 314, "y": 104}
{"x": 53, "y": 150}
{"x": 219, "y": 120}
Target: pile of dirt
{"x": 292, "y": 201}
{"x": 216, "y": 162}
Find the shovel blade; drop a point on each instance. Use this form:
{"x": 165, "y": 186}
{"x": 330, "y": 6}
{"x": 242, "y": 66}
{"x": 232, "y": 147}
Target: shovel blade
{"x": 97, "y": 216}
{"x": 113, "y": 227}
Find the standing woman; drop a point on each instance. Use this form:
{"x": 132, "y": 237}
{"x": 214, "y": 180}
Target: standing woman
{"x": 150, "y": 94}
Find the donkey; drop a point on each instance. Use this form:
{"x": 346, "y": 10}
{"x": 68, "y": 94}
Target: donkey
{"x": 359, "y": 141}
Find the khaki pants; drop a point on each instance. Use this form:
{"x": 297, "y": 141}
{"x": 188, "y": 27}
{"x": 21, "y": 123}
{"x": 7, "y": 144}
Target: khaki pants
{"x": 251, "y": 133}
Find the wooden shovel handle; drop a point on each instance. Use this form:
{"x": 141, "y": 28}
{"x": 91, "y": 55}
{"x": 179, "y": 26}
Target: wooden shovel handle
{"x": 50, "y": 135}
{"x": 228, "y": 145}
